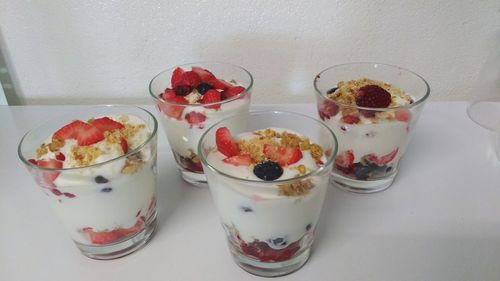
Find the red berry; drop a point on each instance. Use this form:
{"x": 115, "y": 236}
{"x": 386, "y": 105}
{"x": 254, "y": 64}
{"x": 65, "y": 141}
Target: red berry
{"x": 239, "y": 160}
{"x": 69, "y": 195}
{"x": 282, "y": 155}
{"x": 89, "y": 134}
{"x": 124, "y": 145}
{"x": 190, "y": 78}
{"x": 232, "y": 92}
{"x": 106, "y": 124}
{"x": 50, "y": 177}
{"x": 32, "y": 161}
{"x": 264, "y": 253}
{"x": 69, "y": 131}
{"x": 195, "y": 118}
{"x": 182, "y": 90}
{"x": 174, "y": 111}
{"x": 60, "y": 156}
{"x": 225, "y": 143}
{"x": 176, "y": 78}
{"x": 403, "y": 115}
{"x": 345, "y": 162}
{"x": 328, "y": 110}
{"x": 204, "y": 74}
{"x": 168, "y": 94}
{"x": 211, "y": 96}
{"x": 220, "y": 84}
{"x": 350, "y": 119}
{"x": 373, "y": 96}
{"x": 383, "y": 160}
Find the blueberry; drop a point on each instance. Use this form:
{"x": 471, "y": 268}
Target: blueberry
{"x": 332, "y": 90}
{"x": 268, "y": 170}
{"x": 388, "y": 169}
{"x": 363, "y": 172}
{"x": 246, "y": 209}
{"x": 203, "y": 88}
{"x": 308, "y": 227}
{"x": 182, "y": 90}
{"x": 107, "y": 189}
{"x": 278, "y": 242}
{"x": 101, "y": 179}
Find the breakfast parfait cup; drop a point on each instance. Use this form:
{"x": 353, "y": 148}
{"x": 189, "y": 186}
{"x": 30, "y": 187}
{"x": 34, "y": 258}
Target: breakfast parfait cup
{"x": 373, "y": 110}
{"x": 269, "y": 219}
{"x": 192, "y": 97}
{"x": 104, "y": 193}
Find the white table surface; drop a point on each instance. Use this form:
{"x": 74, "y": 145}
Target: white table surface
{"x": 440, "y": 220}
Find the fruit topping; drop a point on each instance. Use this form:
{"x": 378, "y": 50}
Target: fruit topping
{"x": 106, "y": 124}
{"x": 232, "y": 92}
{"x": 350, "y": 119}
{"x": 195, "y": 118}
{"x": 239, "y": 160}
{"x": 176, "y": 78}
{"x": 50, "y": 177}
{"x": 85, "y": 134}
{"x": 263, "y": 252}
{"x": 182, "y": 90}
{"x": 69, "y": 131}
{"x": 60, "y": 156}
{"x": 211, "y": 96}
{"x": 328, "y": 110}
{"x": 203, "y": 88}
{"x": 284, "y": 156}
{"x": 373, "y": 96}
{"x": 191, "y": 79}
{"x": 174, "y": 111}
{"x": 402, "y": 115}
{"x": 268, "y": 170}
{"x": 225, "y": 143}
{"x": 204, "y": 74}
{"x": 124, "y": 145}
{"x": 383, "y": 159}
{"x": 220, "y": 84}
{"x": 344, "y": 162}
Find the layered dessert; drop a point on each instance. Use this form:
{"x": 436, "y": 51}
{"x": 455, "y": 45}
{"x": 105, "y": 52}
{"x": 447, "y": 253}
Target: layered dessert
{"x": 99, "y": 175}
{"x": 372, "y": 122}
{"x": 266, "y": 191}
{"x": 195, "y": 100}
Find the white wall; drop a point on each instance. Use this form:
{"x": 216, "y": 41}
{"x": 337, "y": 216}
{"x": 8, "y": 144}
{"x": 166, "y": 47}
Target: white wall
{"x": 67, "y": 51}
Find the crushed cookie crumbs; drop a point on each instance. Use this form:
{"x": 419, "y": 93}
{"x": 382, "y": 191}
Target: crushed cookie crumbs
{"x": 42, "y": 150}
{"x": 84, "y": 155}
{"x": 297, "y": 188}
{"x": 132, "y": 165}
{"x": 316, "y": 152}
{"x": 56, "y": 144}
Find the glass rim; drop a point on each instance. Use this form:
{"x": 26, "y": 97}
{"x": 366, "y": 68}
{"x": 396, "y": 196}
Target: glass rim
{"x": 329, "y": 160}
{"x": 247, "y": 89}
{"x": 130, "y": 152}
{"x": 415, "y": 103}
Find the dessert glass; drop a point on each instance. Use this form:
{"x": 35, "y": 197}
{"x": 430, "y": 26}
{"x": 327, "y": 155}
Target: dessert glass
{"x": 269, "y": 233}
{"x": 182, "y": 136}
{"x": 107, "y": 213}
{"x": 376, "y": 146}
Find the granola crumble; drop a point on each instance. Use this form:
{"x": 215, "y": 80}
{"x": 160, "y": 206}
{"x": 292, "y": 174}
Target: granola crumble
{"x": 297, "y": 188}
{"x": 84, "y": 155}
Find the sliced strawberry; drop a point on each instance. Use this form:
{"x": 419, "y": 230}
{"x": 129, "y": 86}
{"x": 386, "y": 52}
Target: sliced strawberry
{"x": 350, "y": 119}
{"x": 328, "y": 110}
{"x": 403, "y": 115}
{"x": 239, "y": 160}
{"x": 88, "y": 135}
{"x": 69, "y": 131}
{"x": 225, "y": 143}
{"x": 106, "y": 124}
{"x": 385, "y": 159}
{"x": 232, "y": 92}
{"x": 174, "y": 111}
{"x": 211, "y": 96}
{"x": 190, "y": 78}
{"x": 60, "y": 156}
{"x": 282, "y": 155}
{"x": 103, "y": 237}
{"x": 220, "y": 84}
{"x": 176, "y": 78}
{"x": 195, "y": 118}
{"x": 124, "y": 145}
{"x": 204, "y": 74}
{"x": 345, "y": 162}
{"x": 168, "y": 94}
{"x": 32, "y": 161}
{"x": 50, "y": 177}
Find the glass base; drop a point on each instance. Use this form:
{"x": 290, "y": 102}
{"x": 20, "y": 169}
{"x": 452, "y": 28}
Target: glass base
{"x": 359, "y": 186}
{"x": 123, "y": 248}
{"x": 196, "y": 179}
{"x": 272, "y": 269}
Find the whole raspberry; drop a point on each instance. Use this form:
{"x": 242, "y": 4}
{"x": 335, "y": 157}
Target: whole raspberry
{"x": 373, "y": 96}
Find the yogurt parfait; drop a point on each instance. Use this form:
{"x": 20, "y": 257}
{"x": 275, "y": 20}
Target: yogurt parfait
{"x": 99, "y": 174}
{"x": 191, "y": 98}
{"x": 373, "y": 110}
{"x": 268, "y": 182}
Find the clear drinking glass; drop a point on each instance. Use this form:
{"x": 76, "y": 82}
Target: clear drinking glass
{"x": 371, "y": 148}
{"x": 269, "y": 233}
{"x": 109, "y": 208}
{"x": 182, "y": 135}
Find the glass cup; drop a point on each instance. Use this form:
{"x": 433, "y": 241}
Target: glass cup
{"x": 182, "y": 134}
{"x": 370, "y": 149}
{"x": 109, "y": 208}
{"x": 269, "y": 233}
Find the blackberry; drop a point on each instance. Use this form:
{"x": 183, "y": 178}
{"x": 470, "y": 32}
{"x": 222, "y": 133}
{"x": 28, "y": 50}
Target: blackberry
{"x": 182, "y": 90}
{"x": 363, "y": 172}
{"x": 203, "y": 88}
{"x": 101, "y": 179}
{"x": 268, "y": 170}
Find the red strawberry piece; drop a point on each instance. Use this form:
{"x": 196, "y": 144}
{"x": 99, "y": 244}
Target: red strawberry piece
{"x": 368, "y": 113}
{"x": 32, "y": 161}
{"x": 69, "y": 131}
{"x": 403, "y": 115}
{"x": 174, "y": 111}
{"x": 89, "y": 134}
{"x": 350, "y": 119}
{"x": 168, "y": 94}
{"x": 60, "y": 156}
{"x": 106, "y": 124}
{"x": 239, "y": 160}
{"x": 56, "y": 192}
{"x": 100, "y": 238}
{"x": 176, "y": 78}
{"x": 204, "y": 74}
{"x": 50, "y": 177}
{"x": 195, "y": 118}
{"x": 373, "y": 96}
{"x": 232, "y": 92}
{"x": 69, "y": 195}
{"x": 124, "y": 145}
{"x": 264, "y": 253}
{"x": 211, "y": 96}
{"x": 328, "y": 110}
{"x": 220, "y": 84}
{"x": 345, "y": 162}
{"x": 225, "y": 143}
{"x": 385, "y": 159}
{"x": 282, "y": 155}
{"x": 190, "y": 78}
